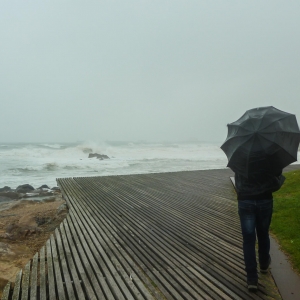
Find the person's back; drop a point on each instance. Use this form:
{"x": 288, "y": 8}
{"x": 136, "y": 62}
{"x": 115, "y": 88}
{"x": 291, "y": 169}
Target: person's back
{"x": 258, "y": 186}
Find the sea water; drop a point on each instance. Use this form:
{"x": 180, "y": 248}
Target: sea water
{"x": 42, "y": 163}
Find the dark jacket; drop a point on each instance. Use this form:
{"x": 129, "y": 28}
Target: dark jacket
{"x": 257, "y": 187}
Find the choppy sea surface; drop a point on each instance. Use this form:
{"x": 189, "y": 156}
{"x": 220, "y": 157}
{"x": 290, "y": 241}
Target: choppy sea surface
{"x": 42, "y": 163}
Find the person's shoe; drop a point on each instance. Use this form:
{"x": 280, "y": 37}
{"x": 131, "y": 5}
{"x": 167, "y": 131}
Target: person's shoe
{"x": 264, "y": 269}
{"x": 252, "y": 285}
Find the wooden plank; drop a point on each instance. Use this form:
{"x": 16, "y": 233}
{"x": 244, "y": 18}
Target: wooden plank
{"x": 17, "y": 287}
{"x": 43, "y": 290}
{"x": 57, "y": 271}
{"x": 6, "y": 292}
{"x": 33, "y": 278}
{"x": 25, "y": 281}
{"x": 51, "y": 280}
{"x": 89, "y": 289}
{"x": 68, "y": 254}
{"x": 94, "y": 275}
{"x": 64, "y": 267}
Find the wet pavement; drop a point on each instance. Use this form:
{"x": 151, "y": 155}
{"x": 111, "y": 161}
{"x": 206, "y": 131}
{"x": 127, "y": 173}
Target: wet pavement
{"x": 286, "y": 279}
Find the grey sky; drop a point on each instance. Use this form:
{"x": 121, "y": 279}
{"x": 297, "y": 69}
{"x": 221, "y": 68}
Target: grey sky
{"x": 143, "y": 70}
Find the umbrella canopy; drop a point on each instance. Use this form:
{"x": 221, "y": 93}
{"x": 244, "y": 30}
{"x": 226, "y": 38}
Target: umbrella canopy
{"x": 263, "y": 140}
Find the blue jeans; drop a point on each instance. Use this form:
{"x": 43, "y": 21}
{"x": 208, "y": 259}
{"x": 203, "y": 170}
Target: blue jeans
{"x": 255, "y": 217}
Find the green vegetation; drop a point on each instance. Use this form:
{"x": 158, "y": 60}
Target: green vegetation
{"x": 286, "y": 217}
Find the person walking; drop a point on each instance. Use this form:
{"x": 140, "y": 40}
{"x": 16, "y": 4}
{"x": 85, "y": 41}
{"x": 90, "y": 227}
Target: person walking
{"x": 259, "y": 145}
{"x": 255, "y": 207}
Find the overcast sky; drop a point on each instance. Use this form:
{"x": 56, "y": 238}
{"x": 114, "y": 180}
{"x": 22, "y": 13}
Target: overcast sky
{"x": 143, "y": 70}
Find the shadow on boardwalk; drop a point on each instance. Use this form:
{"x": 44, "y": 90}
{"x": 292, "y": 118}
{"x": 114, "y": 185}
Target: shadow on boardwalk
{"x": 151, "y": 236}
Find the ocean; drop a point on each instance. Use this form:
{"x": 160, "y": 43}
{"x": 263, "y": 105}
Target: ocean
{"x": 41, "y": 163}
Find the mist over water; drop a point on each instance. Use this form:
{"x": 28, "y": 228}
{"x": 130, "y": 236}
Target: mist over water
{"x": 42, "y": 163}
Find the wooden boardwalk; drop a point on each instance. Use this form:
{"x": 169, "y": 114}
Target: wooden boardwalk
{"x": 151, "y": 236}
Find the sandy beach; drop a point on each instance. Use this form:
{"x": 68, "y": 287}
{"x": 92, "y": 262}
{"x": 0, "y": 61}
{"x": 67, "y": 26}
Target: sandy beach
{"x": 25, "y": 226}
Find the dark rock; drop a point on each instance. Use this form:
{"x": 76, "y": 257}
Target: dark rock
{"x": 24, "y": 188}
{"x": 44, "y": 194}
{"x": 5, "y": 189}
{"x": 99, "y": 156}
{"x": 55, "y": 188}
{"x": 11, "y": 195}
{"x": 44, "y": 186}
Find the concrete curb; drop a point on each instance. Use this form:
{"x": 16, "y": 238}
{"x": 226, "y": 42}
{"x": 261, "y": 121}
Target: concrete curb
{"x": 286, "y": 279}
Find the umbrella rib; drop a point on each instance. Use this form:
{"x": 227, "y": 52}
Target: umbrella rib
{"x": 237, "y": 136}
{"x": 284, "y": 131}
{"x": 266, "y": 138}
{"x": 276, "y": 121}
{"x": 274, "y": 142}
{"x": 261, "y": 119}
{"x": 239, "y": 125}
{"x": 248, "y": 155}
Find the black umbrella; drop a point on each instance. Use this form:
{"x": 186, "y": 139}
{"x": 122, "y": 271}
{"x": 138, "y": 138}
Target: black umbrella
{"x": 263, "y": 140}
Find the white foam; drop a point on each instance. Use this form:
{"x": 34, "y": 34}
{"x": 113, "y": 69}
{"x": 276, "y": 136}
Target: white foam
{"x": 39, "y": 164}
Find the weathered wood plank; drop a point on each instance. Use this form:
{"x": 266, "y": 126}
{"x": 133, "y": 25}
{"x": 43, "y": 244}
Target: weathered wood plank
{"x": 17, "y": 287}
{"x": 57, "y": 271}
{"x": 76, "y": 282}
{"x": 43, "y": 289}
{"x": 6, "y": 291}
{"x": 88, "y": 287}
{"x": 25, "y": 281}
{"x": 64, "y": 267}
{"x": 93, "y": 274}
{"x": 51, "y": 280}
{"x": 33, "y": 277}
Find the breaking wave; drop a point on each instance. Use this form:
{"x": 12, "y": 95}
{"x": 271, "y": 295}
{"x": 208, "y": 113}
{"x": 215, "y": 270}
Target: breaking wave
{"x": 44, "y": 162}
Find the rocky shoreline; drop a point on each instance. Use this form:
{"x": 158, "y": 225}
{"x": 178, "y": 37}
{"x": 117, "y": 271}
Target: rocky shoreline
{"x": 28, "y": 216}
{"x": 26, "y": 191}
